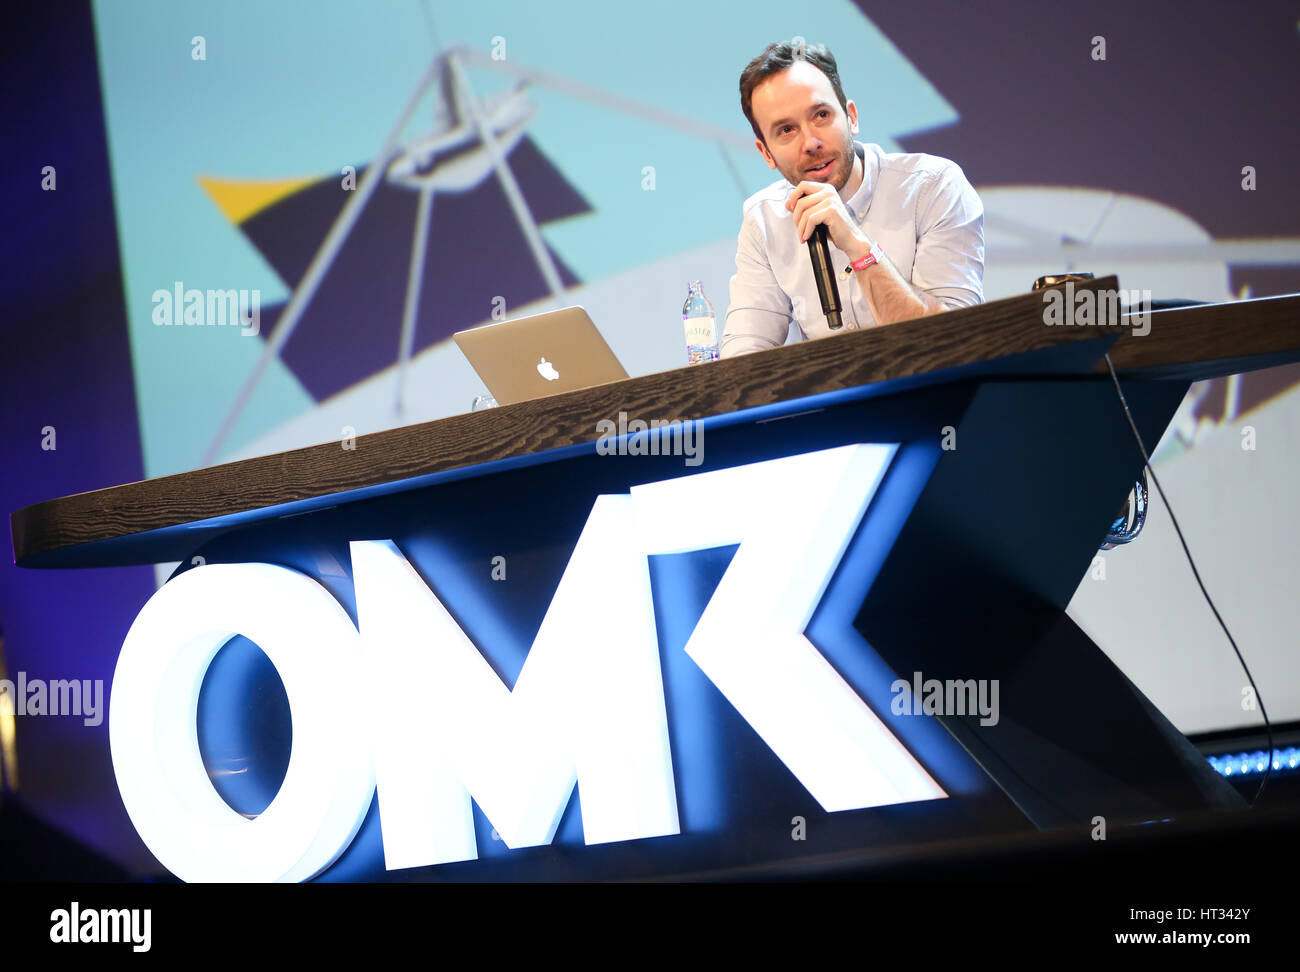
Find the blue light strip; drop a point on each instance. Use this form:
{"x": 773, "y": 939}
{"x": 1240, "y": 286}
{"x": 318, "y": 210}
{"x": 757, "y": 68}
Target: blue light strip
{"x": 1248, "y": 764}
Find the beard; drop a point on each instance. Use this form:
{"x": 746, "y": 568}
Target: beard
{"x": 838, "y": 175}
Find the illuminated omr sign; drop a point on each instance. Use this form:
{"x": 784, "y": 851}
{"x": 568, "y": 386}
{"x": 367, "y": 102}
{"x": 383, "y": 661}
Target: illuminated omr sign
{"x": 439, "y": 728}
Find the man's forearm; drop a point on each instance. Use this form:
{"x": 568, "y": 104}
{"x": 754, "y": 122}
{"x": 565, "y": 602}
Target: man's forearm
{"x": 891, "y": 298}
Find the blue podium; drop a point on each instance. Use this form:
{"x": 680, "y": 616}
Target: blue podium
{"x": 804, "y": 608}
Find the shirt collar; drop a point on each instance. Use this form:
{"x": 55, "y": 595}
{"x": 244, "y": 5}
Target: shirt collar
{"x": 860, "y": 201}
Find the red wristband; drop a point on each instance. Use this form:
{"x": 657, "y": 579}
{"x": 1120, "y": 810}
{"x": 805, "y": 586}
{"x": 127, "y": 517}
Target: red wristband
{"x": 866, "y": 261}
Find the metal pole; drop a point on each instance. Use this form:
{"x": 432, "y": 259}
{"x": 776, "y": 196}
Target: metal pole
{"x": 320, "y": 263}
{"x": 518, "y": 204}
{"x": 414, "y": 284}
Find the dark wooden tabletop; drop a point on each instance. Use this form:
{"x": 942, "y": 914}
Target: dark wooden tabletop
{"x": 1253, "y": 333}
{"x": 1212, "y": 340}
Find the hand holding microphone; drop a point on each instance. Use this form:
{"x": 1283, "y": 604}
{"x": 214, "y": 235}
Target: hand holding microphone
{"x": 819, "y": 218}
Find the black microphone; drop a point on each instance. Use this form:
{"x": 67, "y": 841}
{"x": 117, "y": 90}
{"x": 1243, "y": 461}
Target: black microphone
{"x": 829, "y": 292}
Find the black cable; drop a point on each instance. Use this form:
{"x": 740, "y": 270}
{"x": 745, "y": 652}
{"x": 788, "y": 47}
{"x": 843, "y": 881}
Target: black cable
{"x": 1268, "y": 726}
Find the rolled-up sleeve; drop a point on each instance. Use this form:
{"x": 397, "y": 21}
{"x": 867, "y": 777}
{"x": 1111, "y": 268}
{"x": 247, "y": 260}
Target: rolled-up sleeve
{"x": 758, "y": 317}
{"x": 949, "y": 262}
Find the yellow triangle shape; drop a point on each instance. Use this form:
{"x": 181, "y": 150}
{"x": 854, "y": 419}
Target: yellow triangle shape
{"x": 241, "y": 199}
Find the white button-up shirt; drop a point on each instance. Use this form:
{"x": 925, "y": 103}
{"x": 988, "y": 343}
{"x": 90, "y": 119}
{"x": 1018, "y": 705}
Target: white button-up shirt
{"x": 919, "y": 209}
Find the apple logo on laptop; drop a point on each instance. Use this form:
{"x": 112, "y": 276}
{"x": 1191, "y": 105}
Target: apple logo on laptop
{"x": 547, "y": 370}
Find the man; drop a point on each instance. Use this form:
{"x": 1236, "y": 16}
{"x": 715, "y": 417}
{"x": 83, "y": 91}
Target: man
{"x": 910, "y": 225}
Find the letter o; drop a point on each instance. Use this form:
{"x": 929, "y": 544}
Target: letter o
{"x": 153, "y": 733}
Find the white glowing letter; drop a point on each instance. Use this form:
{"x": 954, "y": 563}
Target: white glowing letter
{"x": 329, "y": 784}
{"x": 792, "y": 518}
{"x": 588, "y": 707}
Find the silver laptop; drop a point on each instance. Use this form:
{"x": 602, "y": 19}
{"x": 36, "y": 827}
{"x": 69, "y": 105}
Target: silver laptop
{"x": 542, "y": 355}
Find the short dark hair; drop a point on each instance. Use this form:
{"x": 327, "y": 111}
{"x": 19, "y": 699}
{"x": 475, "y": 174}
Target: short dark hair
{"x": 779, "y": 57}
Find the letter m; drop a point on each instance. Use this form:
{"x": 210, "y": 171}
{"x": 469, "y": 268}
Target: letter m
{"x": 588, "y": 706}
{"x": 223, "y": 306}
{"x": 65, "y": 697}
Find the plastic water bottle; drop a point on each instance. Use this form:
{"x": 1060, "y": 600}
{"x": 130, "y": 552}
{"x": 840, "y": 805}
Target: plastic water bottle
{"x": 701, "y": 326}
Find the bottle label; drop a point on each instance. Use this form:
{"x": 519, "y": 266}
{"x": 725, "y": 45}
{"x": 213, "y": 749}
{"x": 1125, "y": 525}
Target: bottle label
{"x": 701, "y": 330}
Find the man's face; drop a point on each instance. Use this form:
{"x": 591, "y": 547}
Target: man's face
{"x": 806, "y": 135}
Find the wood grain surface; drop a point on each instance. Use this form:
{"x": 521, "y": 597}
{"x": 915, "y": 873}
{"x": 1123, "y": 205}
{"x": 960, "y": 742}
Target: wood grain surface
{"x": 852, "y": 359}
{"x": 1212, "y": 340}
